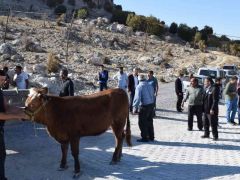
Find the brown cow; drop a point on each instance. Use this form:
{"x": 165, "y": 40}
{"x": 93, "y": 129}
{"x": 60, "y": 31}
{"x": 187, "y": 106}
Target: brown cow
{"x": 70, "y": 118}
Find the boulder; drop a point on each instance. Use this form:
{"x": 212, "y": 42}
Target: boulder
{"x": 158, "y": 60}
{"x": 6, "y": 48}
{"x": 34, "y": 47}
{"x": 146, "y": 59}
{"x": 5, "y": 57}
{"x": 139, "y": 33}
{"x": 39, "y": 69}
{"x": 121, "y": 28}
{"x": 96, "y": 59}
{"x": 78, "y": 58}
{"x": 17, "y": 58}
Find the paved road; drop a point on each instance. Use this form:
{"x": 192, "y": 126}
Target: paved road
{"x": 176, "y": 153}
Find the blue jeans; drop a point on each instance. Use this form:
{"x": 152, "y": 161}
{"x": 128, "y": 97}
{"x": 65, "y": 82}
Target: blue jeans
{"x": 231, "y": 109}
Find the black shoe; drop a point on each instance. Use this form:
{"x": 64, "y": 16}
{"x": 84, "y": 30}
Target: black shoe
{"x": 200, "y": 129}
{"x": 151, "y": 139}
{"x": 233, "y": 123}
{"x": 204, "y": 136}
{"x": 215, "y": 138}
{"x": 142, "y": 140}
{"x": 189, "y": 129}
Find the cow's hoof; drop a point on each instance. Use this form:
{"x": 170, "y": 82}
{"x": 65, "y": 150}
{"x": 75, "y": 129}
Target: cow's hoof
{"x": 113, "y": 163}
{"x": 62, "y": 168}
{"x": 76, "y": 175}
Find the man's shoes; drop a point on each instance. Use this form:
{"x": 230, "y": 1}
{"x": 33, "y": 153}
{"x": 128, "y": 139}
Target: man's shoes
{"x": 142, "y": 140}
{"x": 204, "y": 136}
{"x": 151, "y": 139}
{"x": 233, "y": 123}
{"x": 200, "y": 129}
{"x": 189, "y": 129}
{"x": 215, "y": 138}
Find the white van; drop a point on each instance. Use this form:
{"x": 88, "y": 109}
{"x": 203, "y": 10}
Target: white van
{"x": 212, "y": 72}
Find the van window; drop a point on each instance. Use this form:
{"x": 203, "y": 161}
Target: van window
{"x": 208, "y": 73}
{"x": 228, "y": 67}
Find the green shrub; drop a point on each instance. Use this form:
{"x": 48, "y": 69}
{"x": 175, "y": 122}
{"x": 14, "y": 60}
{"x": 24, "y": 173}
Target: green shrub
{"x": 173, "y": 28}
{"x": 82, "y": 13}
{"x": 202, "y": 45}
{"x": 151, "y": 24}
{"x": 137, "y": 23}
{"x": 120, "y": 16}
{"x": 185, "y": 32}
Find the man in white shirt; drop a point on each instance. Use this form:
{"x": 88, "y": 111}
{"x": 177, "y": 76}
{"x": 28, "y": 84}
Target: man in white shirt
{"x": 20, "y": 79}
{"x": 122, "y": 79}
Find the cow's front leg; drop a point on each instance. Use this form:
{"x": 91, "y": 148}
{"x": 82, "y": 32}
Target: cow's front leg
{"x": 64, "y": 148}
{"x": 75, "y": 151}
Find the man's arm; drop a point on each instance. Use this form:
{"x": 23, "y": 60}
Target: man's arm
{"x": 157, "y": 87}
{"x": 215, "y": 94}
{"x": 27, "y": 83}
{"x": 12, "y": 112}
{"x": 137, "y": 98}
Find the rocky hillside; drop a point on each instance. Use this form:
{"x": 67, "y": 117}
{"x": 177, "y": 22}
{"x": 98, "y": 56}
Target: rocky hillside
{"x": 92, "y": 43}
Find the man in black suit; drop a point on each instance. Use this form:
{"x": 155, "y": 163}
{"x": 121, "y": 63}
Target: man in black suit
{"x": 132, "y": 84}
{"x": 179, "y": 91}
{"x": 210, "y": 109}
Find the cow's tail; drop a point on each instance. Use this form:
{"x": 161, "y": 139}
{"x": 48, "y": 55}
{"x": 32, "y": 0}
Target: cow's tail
{"x": 128, "y": 132}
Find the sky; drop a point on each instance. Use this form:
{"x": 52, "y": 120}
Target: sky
{"x": 222, "y": 15}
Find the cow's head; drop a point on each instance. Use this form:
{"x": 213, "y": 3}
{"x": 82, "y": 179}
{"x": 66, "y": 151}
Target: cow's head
{"x": 35, "y": 100}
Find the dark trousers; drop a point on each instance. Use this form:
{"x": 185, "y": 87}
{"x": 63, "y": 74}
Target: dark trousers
{"x": 210, "y": 120}
{"x": 195, "y": 110}
{"x": 2, "y": 155}
{"x": 145, "y": 121}
{"x": 102, "y": 86}
{"x": 179, "y": 102}
{"x": 132, "y": 94}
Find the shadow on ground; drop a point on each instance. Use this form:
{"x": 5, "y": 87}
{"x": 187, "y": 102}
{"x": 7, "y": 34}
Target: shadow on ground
{"x": 37, "y": 157}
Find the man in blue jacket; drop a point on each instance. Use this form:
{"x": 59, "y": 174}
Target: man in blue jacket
{"x": 103, "y": 78}
{"x": 144, "y": 97}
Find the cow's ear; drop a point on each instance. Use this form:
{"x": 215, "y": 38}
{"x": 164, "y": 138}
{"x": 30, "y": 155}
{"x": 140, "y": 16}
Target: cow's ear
{"x": 44, "y": 90}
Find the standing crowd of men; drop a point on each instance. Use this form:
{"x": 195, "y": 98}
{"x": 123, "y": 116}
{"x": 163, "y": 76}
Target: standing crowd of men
{"x": 142, "y": 97}
{"x": 203, "y": 102}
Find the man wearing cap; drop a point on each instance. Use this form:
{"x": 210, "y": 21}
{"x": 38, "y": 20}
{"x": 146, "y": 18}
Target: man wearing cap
{"x": 144, "y": 98}
{"x": 103, "y": 78}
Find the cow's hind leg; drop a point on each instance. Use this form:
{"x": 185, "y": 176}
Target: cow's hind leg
{"x": 75, "y": 151}
{"x": 64, "y": 148}
{"x": 119, "y": 136}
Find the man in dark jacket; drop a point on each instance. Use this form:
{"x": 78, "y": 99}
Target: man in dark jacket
{"x": 67, "y": 86}
{"x": 210, "y": 109}
{"x": 103, "y": 78}
{"x": 179, "y": 91}
{"x": 132, "y": 84}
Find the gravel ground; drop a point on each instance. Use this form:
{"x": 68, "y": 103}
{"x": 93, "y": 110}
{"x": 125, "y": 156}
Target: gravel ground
{"x": 176, "y": 153}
